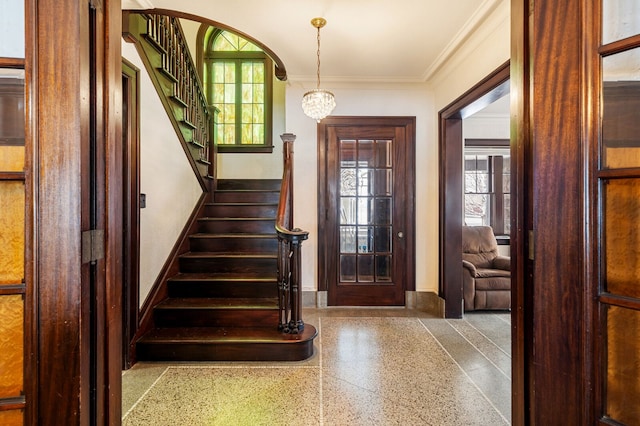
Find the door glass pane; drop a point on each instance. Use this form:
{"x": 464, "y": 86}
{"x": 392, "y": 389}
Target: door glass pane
{"x": 383, "y": 153}
{"x": 366, "y": 157}
{"x": 383, "y": 182}
{"x": 621, "y": 110}
{"x": 11, "y": 418}
{"x": 12, "y": 224}
{"x": 365, "y": 210}
{"x": 620, "y": 19}
{"x": 365, "y": 182}
{"x": 383, "y": 268}
{"x": 365, "y": 268}
{"x": 382, "y": 211}
{"x": 623, "y": 365}
{"x": 11, "y": 337}
{"x": 365, "y": 204}
{"x": 347, "y": 239}
{"x": 347, "y": 268}
{"x": 383, "y": 239}
{"x": 348, "y": 181}
{"x": 348, "y": 210}
{"x": 365, "y": 239}
{"x": 622, "y": 236}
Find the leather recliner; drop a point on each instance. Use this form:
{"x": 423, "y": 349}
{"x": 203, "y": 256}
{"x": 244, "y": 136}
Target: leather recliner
{"x": 486, "y": 275}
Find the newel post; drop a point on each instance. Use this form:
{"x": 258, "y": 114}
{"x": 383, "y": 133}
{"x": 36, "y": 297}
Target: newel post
{"x": 289, "y": 249}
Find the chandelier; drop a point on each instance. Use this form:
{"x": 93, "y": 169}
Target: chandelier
{"x": 318, "y": 103}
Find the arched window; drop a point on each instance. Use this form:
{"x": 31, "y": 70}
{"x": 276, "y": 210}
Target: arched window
{"x": 238, "y": 78}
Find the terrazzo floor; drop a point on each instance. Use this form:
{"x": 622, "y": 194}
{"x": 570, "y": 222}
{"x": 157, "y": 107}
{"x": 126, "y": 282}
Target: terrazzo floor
{"x": 370, "y": 367}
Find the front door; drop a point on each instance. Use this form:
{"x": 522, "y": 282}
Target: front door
{"x": 366, "y": 212}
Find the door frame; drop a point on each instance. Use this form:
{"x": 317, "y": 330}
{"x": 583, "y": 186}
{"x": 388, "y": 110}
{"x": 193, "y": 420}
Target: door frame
{"x": 451, "y": 146}
{"x": 131, "y": 209}
{"x": 324, "y": 263}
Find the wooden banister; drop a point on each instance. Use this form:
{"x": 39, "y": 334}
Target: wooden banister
{"x": 289, "y": 249}
{"x": 164, "y": 50}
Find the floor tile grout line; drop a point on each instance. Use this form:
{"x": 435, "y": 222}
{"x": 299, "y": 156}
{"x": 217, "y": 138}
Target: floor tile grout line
{"x": 465, "y": 373}
{"x": 508, "y": 376}
{"x": 135, "y": 404}
{"x": 490, "y": 339}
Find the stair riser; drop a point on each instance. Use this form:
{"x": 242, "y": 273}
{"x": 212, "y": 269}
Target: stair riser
{"x": 170, "y": 317}
{"x": 224, "y": 351}
{"x": 237, "y": 226}
{"x": 256, "y": 184}
{"x": 222, "y": 289}
{"x": 239, "y": 245}
{"x": 246, "y": 197}
{"x": 250, "y": 210}
{"x": 237, "y": 266}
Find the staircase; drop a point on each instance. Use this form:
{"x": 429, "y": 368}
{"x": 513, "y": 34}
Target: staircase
{"x": 223, "y": 304}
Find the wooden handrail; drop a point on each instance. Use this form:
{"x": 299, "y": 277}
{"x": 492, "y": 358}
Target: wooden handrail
{"x": 289, "y": 249}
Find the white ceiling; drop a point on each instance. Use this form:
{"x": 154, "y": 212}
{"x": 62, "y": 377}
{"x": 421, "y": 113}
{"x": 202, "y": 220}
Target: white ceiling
{"x": 364, "y": 40}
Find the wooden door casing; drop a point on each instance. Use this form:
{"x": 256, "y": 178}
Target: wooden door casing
{"x": 401, "y": 130}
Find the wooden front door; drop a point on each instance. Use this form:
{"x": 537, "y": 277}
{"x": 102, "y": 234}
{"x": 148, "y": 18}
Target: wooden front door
{"x": 367, "y": 210}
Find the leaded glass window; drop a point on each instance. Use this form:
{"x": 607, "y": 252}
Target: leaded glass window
{"x": 238, "y": 80}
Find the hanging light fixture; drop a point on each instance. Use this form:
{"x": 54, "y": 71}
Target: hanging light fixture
{"x": 318, "y": 103}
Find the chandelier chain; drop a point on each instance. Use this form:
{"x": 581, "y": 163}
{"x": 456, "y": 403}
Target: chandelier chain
{"x": 318, "y": 54}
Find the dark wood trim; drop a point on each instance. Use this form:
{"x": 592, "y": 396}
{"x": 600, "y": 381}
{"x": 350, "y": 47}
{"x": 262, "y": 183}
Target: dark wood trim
{"x": 245, "y": 149}
{"x": 15, "y": 63}
{"x": 487, "y": 142}
{"x": 131, "y": 205}
{"x": 7, "y": 289}
{"x": 159, "y": 290}
{"x": 12, "y": 176}
{"x": 31, "y": 270}
{"x": 17, "y": 403}
{"x": 112, "y": 399}
{"x": 521, "y": 213}
{"x": 58, "y": 328}
{"x": 491, "y": 88}
{"x": 619, "y": 45}
{"x": 450, "y": 214}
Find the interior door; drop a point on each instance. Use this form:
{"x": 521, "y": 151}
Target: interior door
{"x": 367, "y": 230}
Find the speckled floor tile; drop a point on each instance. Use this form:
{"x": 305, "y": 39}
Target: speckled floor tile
{"x": 393, "y": 371}
{"x": 190, "y": 395}
{"x": 370, "y": 366}
{"x": 493, "y": 381}
{"x": 137, "y": 380}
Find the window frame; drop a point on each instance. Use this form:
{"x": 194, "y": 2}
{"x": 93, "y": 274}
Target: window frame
{"x": 209, "y": 57}
{"x": 495, "y": 185}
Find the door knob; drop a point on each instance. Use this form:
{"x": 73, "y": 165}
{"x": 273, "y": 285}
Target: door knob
{"x": 400, "y": 234}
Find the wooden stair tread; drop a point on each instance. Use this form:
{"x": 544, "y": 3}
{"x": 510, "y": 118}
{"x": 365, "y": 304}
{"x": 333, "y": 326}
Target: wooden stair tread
{"x": 233, "y": 235}
{"x": 204, "y": 335}
{"x": 234, "y": 255}
{"x": 220, "y": 219}
{"x": 240, "y": 204}
{"x": 203, "y": 276}
{"x": 219, "y": 303}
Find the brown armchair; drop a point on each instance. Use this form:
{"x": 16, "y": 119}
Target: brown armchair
{"x": 486, "y": 276}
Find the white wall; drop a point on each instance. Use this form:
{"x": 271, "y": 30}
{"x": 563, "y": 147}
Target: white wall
{"x": 166, "y": 177}
{"x": 12, "y": 28}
